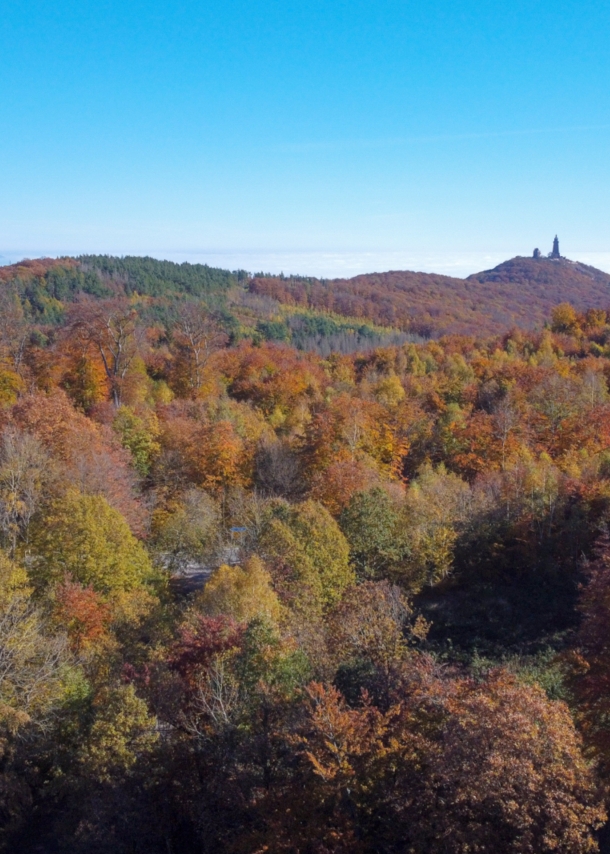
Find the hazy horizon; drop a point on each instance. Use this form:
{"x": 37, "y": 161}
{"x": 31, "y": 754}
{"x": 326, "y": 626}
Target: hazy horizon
{"x": 326, "y": 264}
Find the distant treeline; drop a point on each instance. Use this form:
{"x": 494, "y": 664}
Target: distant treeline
{"x": 160, "y": 278}
{"x": 324, "y": 334}
{"x": 46, "y": 287}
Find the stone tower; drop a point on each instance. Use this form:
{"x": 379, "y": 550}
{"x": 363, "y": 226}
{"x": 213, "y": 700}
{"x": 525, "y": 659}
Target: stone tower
{"x": 555, "y": 252}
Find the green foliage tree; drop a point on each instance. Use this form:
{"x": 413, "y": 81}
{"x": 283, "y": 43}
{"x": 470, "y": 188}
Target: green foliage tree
{"x": 158, "y": 278}
{"x": 139, "y": 436}
{"x": 378, "y": 541}
{"x": 268, "y": 664}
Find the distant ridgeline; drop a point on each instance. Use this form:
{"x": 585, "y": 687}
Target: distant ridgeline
{"x": 517, "y": 293}
{"x": 323, "y": 315}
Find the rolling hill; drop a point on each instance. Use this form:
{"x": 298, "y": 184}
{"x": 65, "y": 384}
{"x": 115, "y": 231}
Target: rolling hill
{"x": 520, "y": 292}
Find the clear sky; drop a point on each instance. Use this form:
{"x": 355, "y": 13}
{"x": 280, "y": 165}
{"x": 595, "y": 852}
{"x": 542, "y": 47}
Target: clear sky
{"x": 311, "y": 136}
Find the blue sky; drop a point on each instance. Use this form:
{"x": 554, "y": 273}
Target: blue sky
{"x": 317, "y": 137}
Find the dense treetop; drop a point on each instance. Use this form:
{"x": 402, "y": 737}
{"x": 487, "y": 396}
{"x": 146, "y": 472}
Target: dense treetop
{"x": 157, "y": 278}
{"x": 346, "y": 597}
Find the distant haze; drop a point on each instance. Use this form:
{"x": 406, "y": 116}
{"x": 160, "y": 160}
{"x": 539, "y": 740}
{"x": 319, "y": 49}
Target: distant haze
{"x": 337, "y": 264}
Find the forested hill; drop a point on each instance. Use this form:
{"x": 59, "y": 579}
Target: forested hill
{"x": 520, "y": 292}
{"x": 47, "y": 283}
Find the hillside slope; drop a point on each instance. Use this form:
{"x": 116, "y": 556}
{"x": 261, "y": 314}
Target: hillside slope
{"x": 520, "y": 292}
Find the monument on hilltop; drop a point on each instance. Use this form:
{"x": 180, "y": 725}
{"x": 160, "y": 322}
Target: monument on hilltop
{"x": 555, "y": 252}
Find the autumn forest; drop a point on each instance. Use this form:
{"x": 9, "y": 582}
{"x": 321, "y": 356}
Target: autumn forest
{"x": 304, "y": 567}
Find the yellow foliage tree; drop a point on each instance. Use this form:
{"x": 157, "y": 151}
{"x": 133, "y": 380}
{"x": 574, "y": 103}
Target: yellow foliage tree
{"x": 84, "y": 537}
{"x": 565, "y": 319}
{"x": 306, "y": 539}
{"x": 389, "y": 391}
{"x": 11, "y": 384}
{"x": 436, "y": 503}
{"x": 31, "y": 663}
{"x": 121, "y": 733}
{"x": 241, "y": 593}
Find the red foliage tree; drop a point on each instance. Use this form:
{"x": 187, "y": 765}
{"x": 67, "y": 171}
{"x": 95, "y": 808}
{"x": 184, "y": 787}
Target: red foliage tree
{"x": 82, "y": 613}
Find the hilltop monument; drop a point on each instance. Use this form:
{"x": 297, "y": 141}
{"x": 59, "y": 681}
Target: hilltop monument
{"x": 555, "y": 252}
